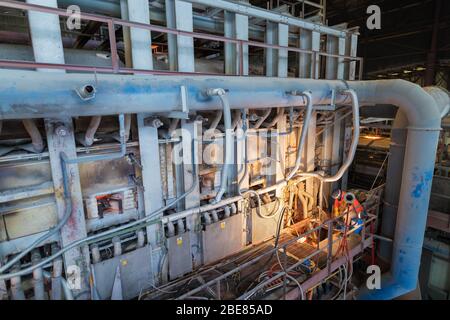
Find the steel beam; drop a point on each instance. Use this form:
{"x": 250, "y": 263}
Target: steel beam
{"x": 139, "y": 11}
{"x": 269, "y": 15}
{"x": 185, "y": 44}
{"x": 61, "y": 139}
{"x": 236, "y": 26}
{"x": 192, "y": 133}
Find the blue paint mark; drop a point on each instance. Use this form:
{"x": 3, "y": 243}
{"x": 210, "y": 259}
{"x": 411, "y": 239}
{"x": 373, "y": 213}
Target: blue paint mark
{"x": 424, "y": 182}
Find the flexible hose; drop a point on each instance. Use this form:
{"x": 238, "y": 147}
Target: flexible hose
{"x": 353, "y": 147}
{"x": 262, "y": 119}
{"x": 109, "y": 233}
{"x": 278, "y": 117}
{"x": 228, "y": 141}
{"x": 302, "y": 138}
{"x": 67, "y": 292}
{"x": 91, "y": 131}
{"x": 67, "y": 196}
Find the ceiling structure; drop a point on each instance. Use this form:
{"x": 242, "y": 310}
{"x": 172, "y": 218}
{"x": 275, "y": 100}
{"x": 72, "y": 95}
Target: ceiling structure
{"x": 404, "y": 46}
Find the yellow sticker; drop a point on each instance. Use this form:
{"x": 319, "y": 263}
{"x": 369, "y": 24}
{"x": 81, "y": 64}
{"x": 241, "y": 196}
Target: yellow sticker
{"x": 124, "y": 262}
{"x": 222, "y": 225}
{"x": 180, "y": 241}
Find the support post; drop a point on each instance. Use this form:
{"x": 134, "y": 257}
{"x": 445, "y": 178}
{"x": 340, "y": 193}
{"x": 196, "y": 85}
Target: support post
{"x": 191, "y": 134}
{"x": 60, "y": 138}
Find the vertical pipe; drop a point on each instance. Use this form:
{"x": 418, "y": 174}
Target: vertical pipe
{"x": 38, "y": 278}
{"x": 430, "y": 73}
{"x": 393, "y": 183}
{"x": 16, "y": 285}
{"x": 171, "y": 38}
{"x": 56, "y": 275}
{"x": 117, "y": 246}
{"x": 140, "y": 238}
{"x": 96, "y": 258}
{"x": 126, "y": 34}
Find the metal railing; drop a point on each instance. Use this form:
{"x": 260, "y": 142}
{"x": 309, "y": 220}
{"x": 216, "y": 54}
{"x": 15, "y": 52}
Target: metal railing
{"x": 117, "y": 69}
{"x": 328, "y": 225}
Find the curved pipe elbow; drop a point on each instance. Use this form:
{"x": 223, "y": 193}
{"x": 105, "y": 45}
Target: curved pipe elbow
{"x": 442, "y": 98}
{"x": 390, "y": 289}
{"x": 89, "y": 137}
{"x": 229, "y": 141}
{"x": 301, "y": 142}
{"x": 354, "y": 145}
{"x": 35, "y": 135}
{"x": 278, "y": 117}
{"x": 261, "y": 120}
{"x": 409, "y": 97}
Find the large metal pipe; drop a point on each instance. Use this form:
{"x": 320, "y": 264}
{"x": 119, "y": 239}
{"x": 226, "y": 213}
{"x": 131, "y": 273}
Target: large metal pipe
{"x": 423, "y": 117}
{"x": 395, "y": 164}
{"x": 393, "y": 183}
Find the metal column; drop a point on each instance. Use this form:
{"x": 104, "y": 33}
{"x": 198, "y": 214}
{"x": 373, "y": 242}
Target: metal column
{"x": 47, "y": 47}
{"x": 235, "y": 26}
{"x": 185, "y": 50}
{"x": 310, "y": 154}
{"x": 279, "y": 149}
{"x": 45, "y": 34}
{"x": 335, "y": 66}
{"x": 60, "y": 138}
{"x": 308, "y": 63}
{"x": 139, "y": 11}
{"x": 171, "y": 38}
{"x": 277, "y": 60}
{"x": 192, "y": 133}
{"x": 283, "y": 40}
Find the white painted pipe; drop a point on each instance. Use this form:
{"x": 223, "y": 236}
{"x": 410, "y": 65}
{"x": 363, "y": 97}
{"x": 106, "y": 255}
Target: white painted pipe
{"x": 302, "y": 137}
{"x": 353, "y": 147}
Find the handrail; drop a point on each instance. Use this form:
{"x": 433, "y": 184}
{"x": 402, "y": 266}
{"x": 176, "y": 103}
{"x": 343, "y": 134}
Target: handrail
{"x": 115, "y": 68}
